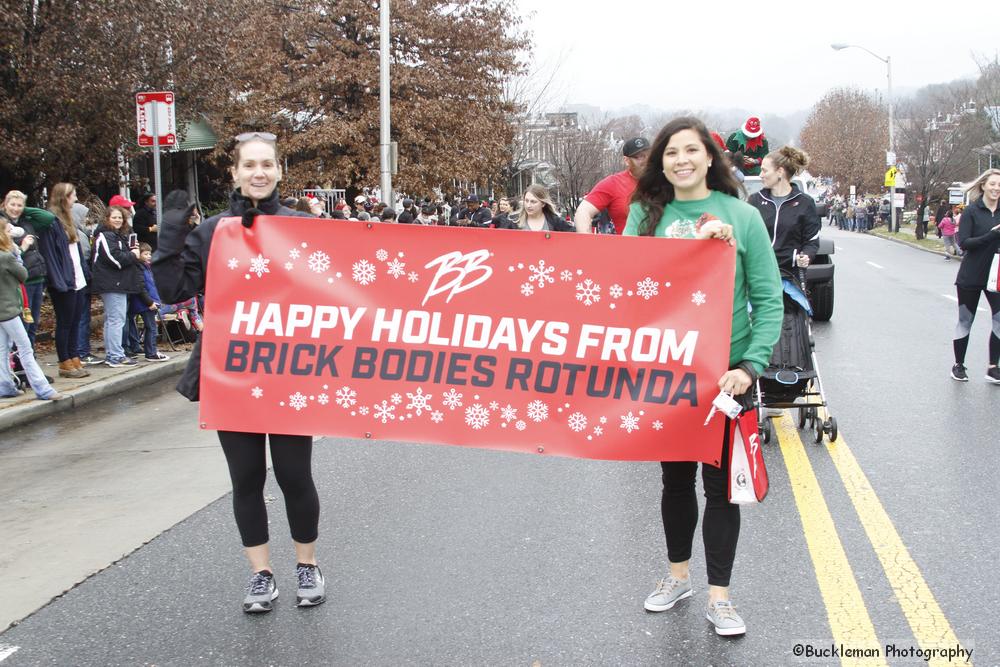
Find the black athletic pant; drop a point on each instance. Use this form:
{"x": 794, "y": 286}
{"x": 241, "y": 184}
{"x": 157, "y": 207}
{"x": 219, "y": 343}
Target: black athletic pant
{"x": 968, "y": 302}
{"x": 720, "y": 529}
{"x": 292, "y": 459}
{"x": 68, "y": 307}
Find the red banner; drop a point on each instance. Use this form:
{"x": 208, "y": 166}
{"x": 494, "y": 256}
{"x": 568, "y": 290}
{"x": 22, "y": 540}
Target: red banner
{"x": 598, "y": 347}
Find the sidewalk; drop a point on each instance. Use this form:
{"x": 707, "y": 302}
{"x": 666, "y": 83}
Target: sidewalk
{"x": 907, "y": 236}
{"x": 103, "y": 381}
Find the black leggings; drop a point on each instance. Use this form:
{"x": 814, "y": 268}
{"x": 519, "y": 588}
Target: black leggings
{"x": 68, "y": 307}
{"x": 292, "y": 459}
{"x": 968, "y": 302}
{"x": 720, "y": 529}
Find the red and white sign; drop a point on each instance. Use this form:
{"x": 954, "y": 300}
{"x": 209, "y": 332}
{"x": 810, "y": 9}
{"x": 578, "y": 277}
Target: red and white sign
{"x": 598, "y": 347}
{"x": 166, "y": 119}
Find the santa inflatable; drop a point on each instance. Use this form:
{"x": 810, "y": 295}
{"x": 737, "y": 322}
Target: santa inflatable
{"x": 750, "y": 142}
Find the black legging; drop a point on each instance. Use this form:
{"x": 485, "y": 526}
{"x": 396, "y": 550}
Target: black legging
{"x": 68, "y": 307}
{"x": 720, "y": 530}
{"x": 292, "y": 459}
{"x": 968, "y": 303}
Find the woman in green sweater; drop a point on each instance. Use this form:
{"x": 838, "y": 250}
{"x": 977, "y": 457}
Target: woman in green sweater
{"x": 687, "y": 190}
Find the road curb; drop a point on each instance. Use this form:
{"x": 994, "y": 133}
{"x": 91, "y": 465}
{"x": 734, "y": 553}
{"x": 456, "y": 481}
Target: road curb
{"x": 940, "y": 253}
{"x": 35, "y": 410}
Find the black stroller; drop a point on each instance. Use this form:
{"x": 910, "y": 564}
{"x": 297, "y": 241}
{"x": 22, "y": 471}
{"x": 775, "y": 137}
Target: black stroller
{"x": 792, "y": 378}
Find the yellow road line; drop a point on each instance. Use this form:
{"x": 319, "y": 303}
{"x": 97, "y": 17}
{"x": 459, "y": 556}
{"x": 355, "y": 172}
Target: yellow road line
{"x": 849, "y": 620}
{"x": 928, "y": 623}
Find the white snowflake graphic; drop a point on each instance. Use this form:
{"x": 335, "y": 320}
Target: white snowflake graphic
{"x": 699, "y": 298}
{"x": 566, "y": 275}
{"x": 413, "y": 276}
{"x": 604, "y": 420}
{"x": 615, "y": 291}
{"x": 527, "y": 289}
{"x": 477, "y": 416}
{"x": 294, "y": 253}
{"x": 233, "y": 263}
{"x": 381, "y": 255}
{"x": 297, "y": 401}
{"x": 362, "y": 409}
{"x": 437, "y": 417}
{"x": 647, "y": 289}
{"x": 396, "y": 399}
{"x": 588, "y": 291}
{"x": 419, "y": 401}
{"x": 383, "y": 412}
{"x": 657, "y": 425}
{"x": 256, "y": 392}
{"x": 508, "y": 413}
{"x": 363, "y": 272}
{"x": 319, "y": 262}
{"x": 538, "y": 411}
{"x": 346, "y": 397}
{"x": 598, "y": 431}
{"x": 578, "y": 422}
{"x": 289, "y": 266}
{"x": 520, "y": 425}
{"x": 258, "y": 265}
{"x": 396, "y": 268}
{"x": 494, "y": 406}
{"x": 452, "y": 399}
{"x": 540, "y": 273}
{"x": 322, "y": 399}
{"x": 630, "y": 422}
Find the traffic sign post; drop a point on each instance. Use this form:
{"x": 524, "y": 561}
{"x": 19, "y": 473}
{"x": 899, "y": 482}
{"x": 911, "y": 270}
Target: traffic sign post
{"x": 156, "y": 125}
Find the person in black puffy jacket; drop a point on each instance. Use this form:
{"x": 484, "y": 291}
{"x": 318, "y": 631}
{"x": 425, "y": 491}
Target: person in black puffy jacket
{"x": 180, "y": 275}
{"x": 115, "y": 276}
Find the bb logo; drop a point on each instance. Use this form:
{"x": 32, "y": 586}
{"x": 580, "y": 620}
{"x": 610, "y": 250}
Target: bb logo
{"x": 453, "y": 270}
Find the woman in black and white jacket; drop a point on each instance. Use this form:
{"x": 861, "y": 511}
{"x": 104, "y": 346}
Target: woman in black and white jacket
{"x": 115, "y": 276}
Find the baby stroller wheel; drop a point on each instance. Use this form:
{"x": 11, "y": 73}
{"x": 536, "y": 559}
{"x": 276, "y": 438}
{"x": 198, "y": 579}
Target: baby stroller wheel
{"x": 831, "y": 428}
{"x": 765, "y": 430}
{"x": 803, "y": 417}
{"x": 818, "y": 430}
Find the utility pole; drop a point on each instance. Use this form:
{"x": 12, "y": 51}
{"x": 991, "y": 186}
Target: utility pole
{"x": 384, "y": 133}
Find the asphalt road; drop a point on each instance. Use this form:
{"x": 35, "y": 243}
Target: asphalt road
{"x": 450, "y": 556}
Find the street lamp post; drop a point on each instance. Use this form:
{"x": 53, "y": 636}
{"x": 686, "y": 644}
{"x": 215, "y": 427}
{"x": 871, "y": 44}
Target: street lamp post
{"x": 892, "y": 134}
{"x": 384, "y": 131}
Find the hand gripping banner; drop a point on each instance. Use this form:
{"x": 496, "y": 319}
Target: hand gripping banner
{"x": 588, "y": 346}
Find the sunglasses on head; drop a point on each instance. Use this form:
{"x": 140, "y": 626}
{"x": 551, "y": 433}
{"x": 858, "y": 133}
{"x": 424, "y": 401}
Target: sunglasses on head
{"x": 247, "y": 136}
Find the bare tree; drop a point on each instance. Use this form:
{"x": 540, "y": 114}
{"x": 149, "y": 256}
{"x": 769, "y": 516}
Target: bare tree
{"x": 846, "y": 136}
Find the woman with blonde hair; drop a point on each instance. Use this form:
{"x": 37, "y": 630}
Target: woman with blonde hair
{"x": 979, "y": 239}
{"x": 12, "y": 211}
{"x": 538, "y": 212}
{"x": 12, "y": 275}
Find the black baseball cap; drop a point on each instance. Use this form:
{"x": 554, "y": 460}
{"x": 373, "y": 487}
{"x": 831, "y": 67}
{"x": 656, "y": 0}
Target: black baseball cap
{"x": 635, "y": 146}
{"x": 473, "y": 198}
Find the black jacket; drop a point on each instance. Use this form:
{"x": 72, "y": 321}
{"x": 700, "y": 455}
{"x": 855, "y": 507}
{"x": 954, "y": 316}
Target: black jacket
{"x": 980, "y": 242}
{"x": 480, "y": 217}
{"x": 115, "y": 268}
{"x": 141, "y": 223}
{"x": 555, "y": 222}
{"x": 32, "y": 257}
{"x": 182, "y": 275}
{"x": 502, "y": 221}
{"x": 175, "y": 228}
{"x": 794, "y": 225}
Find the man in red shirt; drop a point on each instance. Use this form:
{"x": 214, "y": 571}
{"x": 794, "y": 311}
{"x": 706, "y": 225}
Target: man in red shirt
{"x": 614, "y": 193}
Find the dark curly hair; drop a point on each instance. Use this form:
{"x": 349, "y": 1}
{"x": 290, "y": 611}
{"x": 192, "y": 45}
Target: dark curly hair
{"x": 654, "y": 191}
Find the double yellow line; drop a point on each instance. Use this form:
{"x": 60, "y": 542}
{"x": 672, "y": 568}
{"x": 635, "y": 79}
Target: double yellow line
{"x": 849, "y": 619}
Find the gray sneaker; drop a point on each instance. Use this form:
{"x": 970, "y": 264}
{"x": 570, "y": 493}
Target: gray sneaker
{"x": 668, "y": 592}
{"x": 723, "y": 616}
{"x": 261, "y": 591}
{"x": 312, "y": 586}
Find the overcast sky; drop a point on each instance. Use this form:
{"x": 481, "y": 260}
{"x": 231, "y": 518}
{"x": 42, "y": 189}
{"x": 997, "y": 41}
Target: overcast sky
{"x": 711, "y": 54}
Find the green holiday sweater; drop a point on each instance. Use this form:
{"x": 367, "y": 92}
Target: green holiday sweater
{"x": 757, "y": 281}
